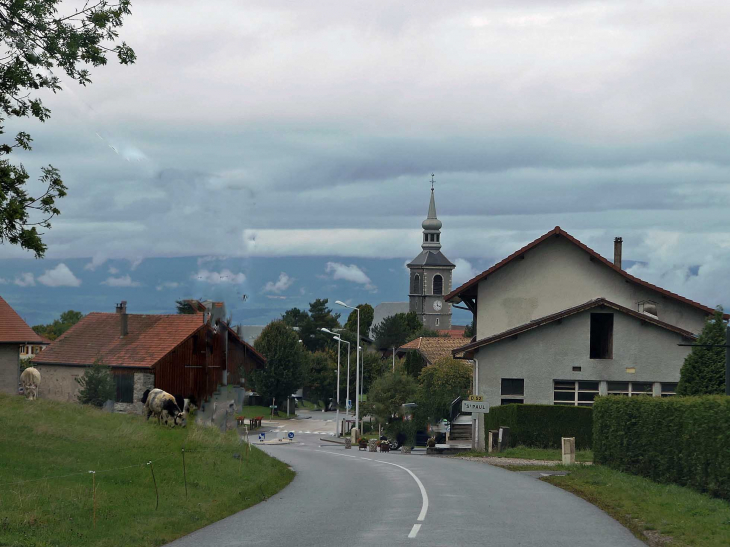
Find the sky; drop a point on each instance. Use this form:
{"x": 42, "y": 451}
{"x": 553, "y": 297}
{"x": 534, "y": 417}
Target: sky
{"x": 283, "y": 150}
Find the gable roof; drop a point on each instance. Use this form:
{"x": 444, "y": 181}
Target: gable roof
{"x": 598, "y": 302}
{"x": 432, "y": 349}
{"x": 13, "y": 329}
{"x": 96, "y": 336}
{"x": 469, "y": 288}
{"x": 248, "y": 346}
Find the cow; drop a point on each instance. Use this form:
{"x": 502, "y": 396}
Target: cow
{"x": 31, "y": 379}
{"x": 163, "y": 406}
{"x": 187, "y": 404}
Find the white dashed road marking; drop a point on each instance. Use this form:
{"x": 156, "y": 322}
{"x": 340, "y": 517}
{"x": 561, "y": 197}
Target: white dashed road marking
{"x": 414, "y": 530}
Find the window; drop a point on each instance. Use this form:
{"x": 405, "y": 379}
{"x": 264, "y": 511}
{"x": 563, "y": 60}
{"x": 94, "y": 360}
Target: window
{"x": 438, "y": 284}
{"x": 125, "y": 388}
{"x": 512, "y": 402}
{"x": 438, "y": 237}
{"x": 416, "y": 289}
{"x": 513, "y": 386}
{"x": 437, "y": 321}
{"x": 669, "y": 389}
{"x": 630, "y": 389}
{"x": 601, "y": 336}
{"x": 569, "y": 392}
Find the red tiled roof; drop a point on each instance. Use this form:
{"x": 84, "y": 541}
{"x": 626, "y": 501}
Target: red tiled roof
{"x": 13, "y": 328}
{"x": 97, "y": 336}
{"x": 565, "y": 313}
{"x": 453, "y": 332}
{"x": 470, "y": 286}
{"x": 432, "y": 349}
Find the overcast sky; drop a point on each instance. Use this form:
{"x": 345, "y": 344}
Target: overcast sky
{"x": 276, "y": 129}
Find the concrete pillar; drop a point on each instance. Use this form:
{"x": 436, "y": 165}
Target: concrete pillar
{"x": 568, "y": 450}
{"x": 503, "y": 439}
{"x": 493, "y": 435}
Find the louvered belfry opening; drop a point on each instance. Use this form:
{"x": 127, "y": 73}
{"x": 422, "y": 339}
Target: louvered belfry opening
{"x": 438, "y": 284}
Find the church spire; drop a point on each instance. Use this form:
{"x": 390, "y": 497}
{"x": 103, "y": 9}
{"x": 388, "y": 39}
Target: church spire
{"x": 431, "y": 226}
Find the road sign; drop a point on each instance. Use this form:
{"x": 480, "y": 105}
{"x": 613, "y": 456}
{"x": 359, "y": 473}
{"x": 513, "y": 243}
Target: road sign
{"x": 474, "y": 406}
{"x": 349, "y": 404}
{"x": 476, "y": 398}
{"x": 291, "y": 435}
{"x": 262, "y": 437}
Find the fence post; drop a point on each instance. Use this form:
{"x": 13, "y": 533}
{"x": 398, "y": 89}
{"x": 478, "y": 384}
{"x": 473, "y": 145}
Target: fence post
{"x": 93, "y": 493}
{"x": 157, "y": 495}
{"x": 185, "y": 474}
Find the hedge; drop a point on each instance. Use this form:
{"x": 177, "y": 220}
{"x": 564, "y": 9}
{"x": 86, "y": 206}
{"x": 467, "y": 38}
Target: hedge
{"x": 542, "y": 426}
{"x": 681, "y": 440}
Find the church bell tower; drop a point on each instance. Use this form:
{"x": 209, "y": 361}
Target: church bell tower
{"x": 430, "y": 275}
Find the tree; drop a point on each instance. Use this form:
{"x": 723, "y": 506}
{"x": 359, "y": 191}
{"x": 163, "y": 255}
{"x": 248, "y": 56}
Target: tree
{"x": 396, "y": 330}
{"x": 39, "y": 36}
{"x": 413, "y": 363}
{"x": 321, "y": 378}
{"x": 469, "y": 331}
{"x": 373, "y": 368}
{"x": 389, "y": 392}
{"x": 184, "y": 307}
{"x": 366, "y": 319}
{"x": 295, "y": 317}
{"x": 320, "y": 316}
{"x": 53, "y": 330}
{"x": 440, "y": 384}
{"x": 285, "y": 361}
{"x": 703, "y": 372}
{"x": 97, "y": 385}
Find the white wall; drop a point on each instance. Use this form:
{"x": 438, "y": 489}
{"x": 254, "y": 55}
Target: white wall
{"x": 557, "y": 275}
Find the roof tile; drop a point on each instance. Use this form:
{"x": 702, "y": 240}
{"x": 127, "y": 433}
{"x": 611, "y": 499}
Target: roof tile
{"x": 13, "y": 328}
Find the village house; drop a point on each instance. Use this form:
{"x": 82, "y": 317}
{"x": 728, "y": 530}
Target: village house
{"x": 556, "y": 323}
{"x": 17, "y": 341}
{"x": 185, "y": 354}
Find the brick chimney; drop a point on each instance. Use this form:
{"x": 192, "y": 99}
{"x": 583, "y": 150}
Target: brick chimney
{"x": 617, "y": 244}
{"x": 123, "y": 320}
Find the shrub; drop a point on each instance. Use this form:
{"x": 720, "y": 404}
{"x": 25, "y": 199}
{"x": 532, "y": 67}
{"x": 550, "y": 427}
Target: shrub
{"x": 682, "y": 440}
{"x": 542, "y": 426}
{"x": 97, "y": 386}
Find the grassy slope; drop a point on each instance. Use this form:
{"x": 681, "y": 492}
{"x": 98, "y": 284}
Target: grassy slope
{"x": 688, "y": 517}
{"x": 48, "y": 439}
{"x": 253, "y": 411}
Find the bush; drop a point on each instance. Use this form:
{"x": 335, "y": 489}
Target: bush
{"x": 542, "y": 426}
{"x": 681, "y": 440}
{"x": 97, "y": 386}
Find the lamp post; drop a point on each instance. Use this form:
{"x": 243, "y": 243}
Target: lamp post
{"x": 337, "y": 416}
{"x": 357, "y": 360}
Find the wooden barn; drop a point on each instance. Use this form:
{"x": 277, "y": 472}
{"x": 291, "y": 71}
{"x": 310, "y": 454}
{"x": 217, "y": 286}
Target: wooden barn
{"x": 183, "y": 354}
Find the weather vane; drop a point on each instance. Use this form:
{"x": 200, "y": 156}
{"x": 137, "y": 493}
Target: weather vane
{"x": 432, "y": 181}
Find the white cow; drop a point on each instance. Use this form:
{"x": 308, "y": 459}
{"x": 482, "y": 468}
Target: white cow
{"x": 30, "y": 379}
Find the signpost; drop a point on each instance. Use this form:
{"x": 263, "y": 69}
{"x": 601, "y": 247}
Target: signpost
{"x": 476, "y": 398}
{"x": 474, "y": 407}
{"x": 291, "y": 435}
{"x": 349, "y": 404}
{"x": 262, "y": 437}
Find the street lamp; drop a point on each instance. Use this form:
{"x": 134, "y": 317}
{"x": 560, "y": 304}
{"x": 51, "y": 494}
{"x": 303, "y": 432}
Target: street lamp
{"x": 357, "y": 360}
{"x": 337, "y": 417}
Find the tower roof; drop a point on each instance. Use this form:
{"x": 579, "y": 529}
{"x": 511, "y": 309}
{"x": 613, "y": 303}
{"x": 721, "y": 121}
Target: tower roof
{"x": 432, "y": 223}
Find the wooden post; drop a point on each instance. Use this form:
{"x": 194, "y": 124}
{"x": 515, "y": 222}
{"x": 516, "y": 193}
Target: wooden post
{"x": 93, "y": 493}
{"x": 185, "y": 475}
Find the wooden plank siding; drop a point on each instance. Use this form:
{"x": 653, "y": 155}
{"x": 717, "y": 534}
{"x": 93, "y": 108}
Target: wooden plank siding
{"x": 196, "y": 366}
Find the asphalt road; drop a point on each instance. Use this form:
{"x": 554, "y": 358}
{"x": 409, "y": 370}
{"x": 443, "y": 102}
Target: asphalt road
{"x": 351, "y": 498}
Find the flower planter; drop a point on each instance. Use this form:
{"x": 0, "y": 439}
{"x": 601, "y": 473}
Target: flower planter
{"x": 406, "y": 450}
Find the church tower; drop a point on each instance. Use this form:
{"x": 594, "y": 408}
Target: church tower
{"x": 430, "y": 275}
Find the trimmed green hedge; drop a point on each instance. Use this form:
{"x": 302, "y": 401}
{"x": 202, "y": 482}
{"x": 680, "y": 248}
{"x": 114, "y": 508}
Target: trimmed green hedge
{"x": 682, "y": 440}
{"x": 542, "y": 426}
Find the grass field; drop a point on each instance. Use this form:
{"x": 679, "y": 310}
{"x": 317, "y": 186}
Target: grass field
{"x": 523, "y": 452}
{"x": 54, "y": 445}
{"x": 653, "y": 512}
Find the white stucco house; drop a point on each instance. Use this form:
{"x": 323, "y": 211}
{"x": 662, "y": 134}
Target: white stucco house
{"x": 556, "y": 323}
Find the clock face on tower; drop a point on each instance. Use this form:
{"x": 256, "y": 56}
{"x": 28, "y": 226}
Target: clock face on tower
{"x": 437, "y": 305}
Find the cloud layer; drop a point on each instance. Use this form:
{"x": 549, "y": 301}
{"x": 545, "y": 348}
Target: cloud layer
{"x": 322, "y": 124}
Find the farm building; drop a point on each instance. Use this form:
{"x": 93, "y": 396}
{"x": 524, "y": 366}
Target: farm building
{"x": 17, "y": 341}
{"x": 185, "y": 354}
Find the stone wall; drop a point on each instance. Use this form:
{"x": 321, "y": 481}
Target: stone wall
{"x": 142, "y": 381}
{"x": 9, "y": 359}
{"x": 58, "y": 382}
